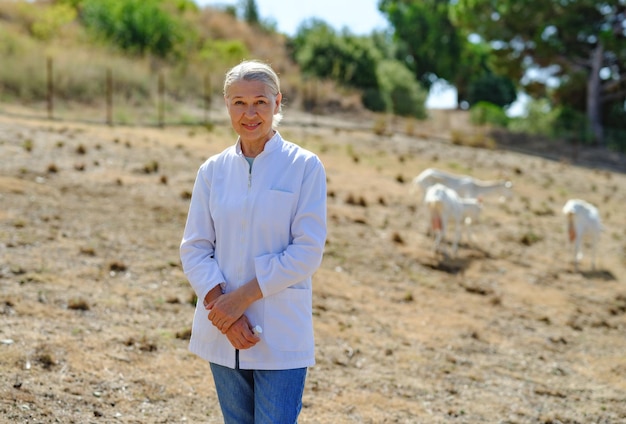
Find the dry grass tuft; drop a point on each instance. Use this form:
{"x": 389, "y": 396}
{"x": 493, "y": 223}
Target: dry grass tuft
{"x": 476, "y": 139}
{"x": 397, "y": 238}
{"x": 45, "y": 358}
{"x": 356, "y": 201}
{"x": 529, "y": 238}
{"x": 117, "y": 267}
{"x": 151, "y": 167}
{"x": 78, "y": 304}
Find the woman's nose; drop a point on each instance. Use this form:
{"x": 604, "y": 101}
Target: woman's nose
{"x": 251, "y": 110}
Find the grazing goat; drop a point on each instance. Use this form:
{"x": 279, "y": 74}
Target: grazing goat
{"x": 464, "y": 185}
{"x": 583, "y": 221}
{"x": 444, "y": 205}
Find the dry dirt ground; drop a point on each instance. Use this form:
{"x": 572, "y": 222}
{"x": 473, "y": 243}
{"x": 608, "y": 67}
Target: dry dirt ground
{"x": 96, "y": 311}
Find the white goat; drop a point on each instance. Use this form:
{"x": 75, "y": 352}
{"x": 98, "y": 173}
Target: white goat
{"x": 445, "y": 205}
{"x": 583, "y": 221}
{"x": 464, "y": 185}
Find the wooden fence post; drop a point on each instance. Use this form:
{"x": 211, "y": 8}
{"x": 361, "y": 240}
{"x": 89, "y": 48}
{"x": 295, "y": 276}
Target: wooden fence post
{"x": 207, "y": 99}
{"x": 109, "y": 96}
{"x": 161, "y": 100}
{"x": 50, "y": 92}
{"x": 315, "y": 109}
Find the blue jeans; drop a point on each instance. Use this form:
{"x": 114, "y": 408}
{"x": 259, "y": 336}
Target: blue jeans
{"x": 259, "y": 396}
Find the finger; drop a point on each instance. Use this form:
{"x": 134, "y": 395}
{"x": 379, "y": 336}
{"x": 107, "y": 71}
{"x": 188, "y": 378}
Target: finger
{"x": 252, "y": 338}
{"x": 212, "y": 315}
{"x": 237, "y": 341}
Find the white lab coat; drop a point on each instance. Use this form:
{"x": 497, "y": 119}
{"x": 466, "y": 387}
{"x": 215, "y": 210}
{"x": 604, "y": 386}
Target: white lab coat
{"x": 269, "y": 222}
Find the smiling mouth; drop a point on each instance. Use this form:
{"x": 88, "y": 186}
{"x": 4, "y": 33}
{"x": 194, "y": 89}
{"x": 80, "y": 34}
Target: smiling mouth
{"x": 251, "y": 126}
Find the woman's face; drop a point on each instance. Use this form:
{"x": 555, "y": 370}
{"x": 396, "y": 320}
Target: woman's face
{"x": 251, "y": 107}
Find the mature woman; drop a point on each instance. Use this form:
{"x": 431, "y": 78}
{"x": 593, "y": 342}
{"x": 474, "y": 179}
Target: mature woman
{"x": 254, "y": 236}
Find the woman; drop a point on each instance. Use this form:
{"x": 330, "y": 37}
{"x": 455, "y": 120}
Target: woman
{"x": 254, "y": 236}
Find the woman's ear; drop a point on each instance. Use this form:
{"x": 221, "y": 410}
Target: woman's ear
{"x": 279, "y": 98}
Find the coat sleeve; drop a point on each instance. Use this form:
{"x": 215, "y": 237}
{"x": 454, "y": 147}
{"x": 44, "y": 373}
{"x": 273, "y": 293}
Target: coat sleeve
{"x": 197, "y": 247}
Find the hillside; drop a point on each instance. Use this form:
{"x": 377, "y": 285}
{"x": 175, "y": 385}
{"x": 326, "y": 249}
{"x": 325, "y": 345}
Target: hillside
{"x": 96, "y": 311}
{"x": 54, "y": 66}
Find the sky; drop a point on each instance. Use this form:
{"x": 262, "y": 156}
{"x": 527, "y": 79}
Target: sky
{"x": 361, "y": 17}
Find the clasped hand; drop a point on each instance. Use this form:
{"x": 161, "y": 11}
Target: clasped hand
{"x": 226, "y": 313}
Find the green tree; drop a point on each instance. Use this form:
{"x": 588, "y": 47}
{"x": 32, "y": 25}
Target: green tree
{"x": 497, "y": 90}
{"x": 427, "y": 41}
{"x": 348, "y": 59}
{"x": 435, "y": 48}
{"x": 477, "y": 78}
{"x": 250, "y": 12}
{"x": 580, "y": 43}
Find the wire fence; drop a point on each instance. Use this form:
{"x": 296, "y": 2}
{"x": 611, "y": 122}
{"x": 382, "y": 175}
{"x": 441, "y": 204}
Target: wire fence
{"x": 109, "y": 95}
{"x": 105, "y": 95}
{"x": 127, "y": 93}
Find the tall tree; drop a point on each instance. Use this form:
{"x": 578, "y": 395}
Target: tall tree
{"x": 478, "y": 78}
{"x": 250, "y": 11}
{"x": 428, "y": 42}
{"x": 346, "y": 58}
{"x": 564, "y": 38}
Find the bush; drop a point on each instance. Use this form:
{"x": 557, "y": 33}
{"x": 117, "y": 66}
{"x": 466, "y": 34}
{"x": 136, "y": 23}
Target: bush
{"x": 347, "y": 59}
{"x": 374, "y": 100}
{"x": 51, "y": 20}
{"x": 402, "y": 93}
{"x": 137, "y": 26}
{"x": 223, "y": 53}
{"x": 570, "y": 124}
{"x": 562, "y": 122}
{"x": 485, "y": 113}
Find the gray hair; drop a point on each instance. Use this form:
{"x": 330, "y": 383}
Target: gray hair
{"x": 253, "y": 70}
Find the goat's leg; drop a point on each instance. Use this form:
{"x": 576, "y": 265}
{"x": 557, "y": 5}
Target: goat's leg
{"x": 593, "y": 252}
{"x": 579, "y": 250}
{"x": 457, "y": 236}
{"x": 436, "y": 227}
{"x": 442, "y": 235}
{"x": 469, "y": 234}
{"x": 437, "y": 240}
{"x": 578, "y": 254}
